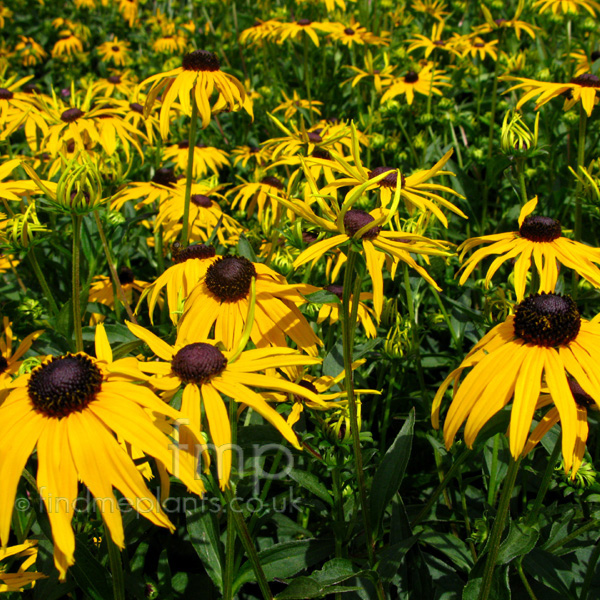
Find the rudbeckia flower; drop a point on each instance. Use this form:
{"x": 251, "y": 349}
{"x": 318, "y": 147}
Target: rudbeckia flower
{"x": 205, "y": 158}
{"x": 330, "y": 311}
{"x": 545, "y": 340}
{"x": 195, "y": 81}
{"x": 566, "y": 7}
{"x": 433, "y": 42}
{"x": 261, "y": 195}
{"x": 208, "y": 373}
{"x": 68, "y": 44}
{"x": 69, "y": 409}
{"x": 415, "y": 189}
{"x": 365, "y": 228}
{"x": 292, "y": 105}
{"x": 435, "y": 8}
{"x": 189, "y": 267}
{"x": 424, "y": 82}
{"x": 170, "y": 44}
{"x": 355, "y": 33}
{"x": 539, "y": 238}
{"x": 582, "y": 88}
{"x": 260, "y": 31}
{"x": 116, "y": 51}
{"x": 159, "y": 188}
{"x": 382, "y": 76}
{"x": 492, "y": 24}
{"x": 290, "y": 31}
{"x": 30, "y": 52}
{"x": 15, "y": 582}
{"x": 222, "y": 298}
{"x": 123, "y": 82}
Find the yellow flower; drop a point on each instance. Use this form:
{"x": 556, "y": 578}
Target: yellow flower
{"x": 9, "y": 360}
{"x": 207, "y": 374}
{"x": 129, "y": 10}
{"x": 260, "y": 194}
{"x": 122, "y": 82}
{"x": 331, "y": 311}
{"x": 478, "y": 47}
{"x": 222, "y": 297}
{"x": 15, "y": 582}
{"x": 205, "y": 158}
{"x": 566, "y": 7}
{"x": 434, "y": 42}
{"x": 116, "y": 51}
{"x": 195, "y": 81}
{"x": 190, "y": 265}
{"x": 30, "y": 52}
{"x": 492, "y": 24}
{"x": 5, "y": 13}
{"x": 435, "y": 8}
{"x": 539, "y": 238}
{"x": 381, "y": 76}
{"x": 69, "y": 409}
{"x": 290, "y": 31}
{"x": 355, "y": 33}
{"x": 260, "y": 31}
{"x": 292, "y": 105}
{"x": 68, "y": 44}
{"x": 424, "y": 82}
{"x": 161, "y": 185}
{"x": 546, "y": 338}
{"x": 170, "y": 44}
{"x": 582, "y": 88}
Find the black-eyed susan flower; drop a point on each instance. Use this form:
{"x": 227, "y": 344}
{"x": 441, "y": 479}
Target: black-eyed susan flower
{"x": 245, "y": 154}
{"x": 477, "y": 47}
{"x": 415, "y": 190}
{"x": 492, "y": 24}
{"x": 67, "y": 45}
{"x": 435, "y": 8}
{"x": 129, "y": 10}
{"x": 292, "y": 105}
{"x": 115, "y": 51}
{"x": 545, "y": 340}
{"x": 260, "y": 31}
{"x": 171, "y": 43}
{"x": 300, "y": 28}
{"x": 330, "y": 311}
{"x": 566, "y": 7}
{"x": 259, "y": 196}
{"x": 425, "y": 82}
{"x": 207, "y": 374}
{"x": 160, "y": 187}
{"x": 352, "y": 224}
{"x": 382, "y": 74}
{"x": 582, "y": 88}
{"x": 29, "y": 51}
{"x": 5, "y": 13}
{"x": 355, "y": 34}
{"x": 102, "y": 290}
{"x": 205, "y": 158}
{"x": 434, "y": 42}
{"x": 22, "y": 578}
{"x": 119, "y": 82}
{"x": 69, "y": 410}
{"x": 189, "y": 266}
{"x": 222, "y": 299}
{"x": 195, "y": 81}
{"x": 539, "y": 238}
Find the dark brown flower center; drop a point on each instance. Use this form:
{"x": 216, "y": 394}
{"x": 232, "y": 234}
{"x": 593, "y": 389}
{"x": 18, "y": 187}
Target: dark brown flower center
{"x": 540, "y": 229}
{"x": 201, "y": 200}
{"x": 587, "y": 80}
{"x": 411, "y": 77}
{"x": 64, "y": 385}
{"x": 338, "y": 290}
{"x": 137, "y": 107}
{"x": 71, "y": 115}
{"x": 499, "y": 22}
{"x": 3, "y": 364}
{"x": 581, "y": 397}
{"x": 126, "y": 275}
{"x": 307, "y": 385}
{"x": 479, "y": 45}
{"x": 309, "y": 237}
{"x": 390, "y": 180}
{"x": 201, "y": 60}
{"x": 197, "y": 363}
{"x": 355, "y": 219}
{"x": 183, "y": 145}
{"x": 165, "y": 177}
{"x": 595, "y": 55}
{"x": 272, "y": 181}
{"x": 229, "y": 278}
{"x": 547, "y": 320}
{"x": 5, "y": 94}
{"x": 304, "y": 22}
{"x": 114, "y": 79}
{"x": 31, "y": 88}
{"x": 115, "y": 48}
{"x": 349, "y": 31}
{"x": 321, "y": 153}
{"x": 439, "y": 43}
{"x": 314, "y": 137}
{"x": 200, "y": 251}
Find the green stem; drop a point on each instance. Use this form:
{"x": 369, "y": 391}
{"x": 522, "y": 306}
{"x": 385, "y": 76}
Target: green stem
{"x": 113, "y": 272}
{"x": 230, "y": 543}
{"x": 498, "y": 529}
{"x": 42, "y": 281}
{"x": 545, "y": 484}
{"x": 492, "y": 491}
{"x": 580, "y": 163}
{"x": 116, "y": 566}
{"x": 76, "y": 275}
{"x": 524, "y": 579}
{"x": 235, "y": 510}
{"x": 185, "y": 234}
{"x": 522, "y": 186}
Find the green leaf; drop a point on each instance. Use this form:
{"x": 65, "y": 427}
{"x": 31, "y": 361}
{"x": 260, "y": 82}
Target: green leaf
{"x": 203, "y": 530}
{"x": 305, "y": 588}
{"x": 311, "y": 482}
{"x": 456, "y": 550}
{"x": 322, "y": 297}
{"x": 91, "y": 577}
{"x": 391, "y": 558}
{"x": 64, "y": 321}
{"x": 245, "y": 249}
{"x": 500, "y": 589}
{"x": 390, "y": 473}
{"x": 521, "y": 540}
{"x": 286, "y": 559}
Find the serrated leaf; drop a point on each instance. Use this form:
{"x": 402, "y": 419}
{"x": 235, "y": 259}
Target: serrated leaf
{"x": 390, "y": 473}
